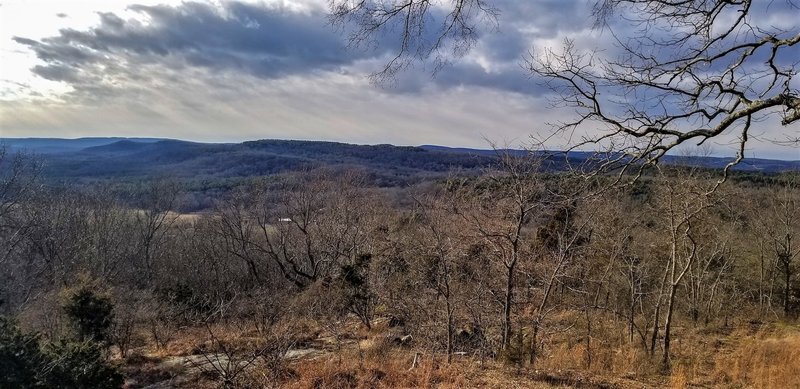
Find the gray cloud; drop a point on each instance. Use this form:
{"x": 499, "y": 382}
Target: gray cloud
{"x": 240, "y": 71}
{"x": 266, "y": 42}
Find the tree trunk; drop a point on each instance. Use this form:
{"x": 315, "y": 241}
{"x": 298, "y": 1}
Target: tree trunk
{"x": 657, "y": 312}
{"x": 668, "y": 324}
{"x": 506, "y": 338}
{"x": 787, "y": 288}
{"x": 449, "y": 331}
{"x": 534, "y": 340}
{"x": 632, "y": 307}
{"x": 588, "y": 339}
{"x": 631, "y": 313}
{"x": 761, "y": 286}
{"x": 540, "y": 312}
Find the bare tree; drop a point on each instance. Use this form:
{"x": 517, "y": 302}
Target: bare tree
{"x": 562, "y": 240}
{"x": 782, "y": 229}
{"x": 315, "y": 224}
{"x": 681, "y": 71}
{"x": 221, "y": 358}
{"x": 713, "y": 264}
{"x": 19, "y": 180}
{"x": 423, "y": 29}
{"x": 304, "y": 229}
{"x": 58, "y": 238}
{"x": 687, "y": 71}
{"x": 682, "y": 202}
{"x": 239, "y": 231}
{"x": 156, "y": 215}
{"x": 621, "y": 242}
{"x": 19, "y": 185}
{"x": 500, "y": 208}
{"x": 439, "y": 249}
{"x": 109, "y": 227}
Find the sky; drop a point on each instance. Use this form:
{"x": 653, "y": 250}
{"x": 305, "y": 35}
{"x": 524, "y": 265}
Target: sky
{"x": 229, "y": 71}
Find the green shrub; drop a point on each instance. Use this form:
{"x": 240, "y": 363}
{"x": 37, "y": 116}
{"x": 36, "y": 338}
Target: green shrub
{"x": 79, "y": 365}
{"x": 354, "y": 281}
{"x": 91, "y": 312}
{"x": 68, "y": 365}
{"x": 20, "y": 357}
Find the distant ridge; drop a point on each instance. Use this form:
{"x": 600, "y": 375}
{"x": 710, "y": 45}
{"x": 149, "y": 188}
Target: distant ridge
{"x": 60, "y": 145}
{"x": 748, "y": 164}
{"x": 120, "y": 158}
{"x": 131, "y": 159}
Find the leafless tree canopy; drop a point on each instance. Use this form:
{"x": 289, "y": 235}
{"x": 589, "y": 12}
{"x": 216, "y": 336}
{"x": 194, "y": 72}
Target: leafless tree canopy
{"x": 686, "y": 72}
{"x": 516, "y": 265}
{"x": 679, "y": 73}
{"x": 415, "y": 30}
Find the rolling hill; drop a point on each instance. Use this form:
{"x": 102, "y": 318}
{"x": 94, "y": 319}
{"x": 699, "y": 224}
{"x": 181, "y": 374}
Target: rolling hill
{"x": 132, "y": 158}
{"x": 93, "y": 159}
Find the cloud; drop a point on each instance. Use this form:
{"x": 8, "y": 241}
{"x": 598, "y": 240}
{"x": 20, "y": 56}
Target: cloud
{"x": 268, "y": 42}
{"x": 233, "y": 70}
{"x": 265, "y": 41}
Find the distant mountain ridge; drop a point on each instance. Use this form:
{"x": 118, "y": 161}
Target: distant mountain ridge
{"x": 60, "y": 145}
{"x": 128, "y": 159}
{"x": 748, "y": 164}
{"x": 119, "y": 158}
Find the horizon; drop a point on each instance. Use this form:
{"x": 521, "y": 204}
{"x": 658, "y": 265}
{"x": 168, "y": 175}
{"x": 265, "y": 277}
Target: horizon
{"x": 465, "y": 148}
{"x": 229, "y": 71}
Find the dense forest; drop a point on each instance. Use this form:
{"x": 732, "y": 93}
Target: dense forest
{"x": 512, "y": 276}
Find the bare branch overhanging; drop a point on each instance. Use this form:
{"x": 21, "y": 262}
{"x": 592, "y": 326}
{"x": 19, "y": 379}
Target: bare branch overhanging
{"x": 691, "y": 71}
{"x": 688, "y": 71}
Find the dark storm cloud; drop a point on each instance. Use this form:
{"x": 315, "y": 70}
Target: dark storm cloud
{"x": 549, "y": 17}
{"x": 267, "y": 42}
{"x": 273, "y": 42}
{"x": 57, "y": 73}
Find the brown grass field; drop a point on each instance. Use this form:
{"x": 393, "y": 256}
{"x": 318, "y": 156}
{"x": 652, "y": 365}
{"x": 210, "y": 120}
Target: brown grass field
{"x": 765, "y": 356}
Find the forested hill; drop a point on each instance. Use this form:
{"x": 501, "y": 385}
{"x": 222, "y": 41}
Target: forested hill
{"x": 93, "y": 159}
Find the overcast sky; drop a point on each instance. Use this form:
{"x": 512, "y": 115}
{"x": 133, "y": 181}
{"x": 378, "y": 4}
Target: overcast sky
{"x": 241, "y": 70}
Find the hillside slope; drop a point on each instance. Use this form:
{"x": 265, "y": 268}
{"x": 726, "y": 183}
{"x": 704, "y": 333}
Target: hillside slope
{"x": 126, "y": 159}
{"x": 131, "y": 159}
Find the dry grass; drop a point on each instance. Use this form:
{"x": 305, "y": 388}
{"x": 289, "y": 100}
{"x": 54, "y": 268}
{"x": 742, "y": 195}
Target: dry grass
{"x": 619, "y": 361}
{"x": 375, "y": 362}
{"x": 705, "y": 357}
{"x": 701, "y": 357}
{"x": 395, "y": 371}
{"x": 367, "y": 360}
{"x": 678, "y": 379}
{"x": 770, "y": 359}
